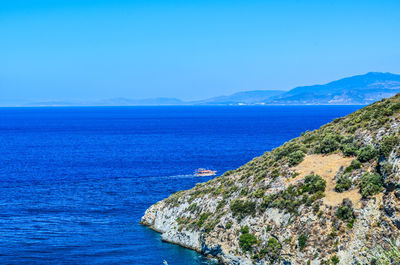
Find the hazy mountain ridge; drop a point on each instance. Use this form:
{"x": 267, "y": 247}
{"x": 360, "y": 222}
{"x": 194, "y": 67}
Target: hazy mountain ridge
{"x": 245, "y": 97}
{"x": 360, "y": 89}
{"x": 355, "y": 90}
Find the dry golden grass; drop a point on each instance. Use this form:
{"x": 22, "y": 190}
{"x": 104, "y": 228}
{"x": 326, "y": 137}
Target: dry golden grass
{"x": 327, "y": 166}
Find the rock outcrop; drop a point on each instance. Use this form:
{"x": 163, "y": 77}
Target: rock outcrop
{"x": 330, "y": 196}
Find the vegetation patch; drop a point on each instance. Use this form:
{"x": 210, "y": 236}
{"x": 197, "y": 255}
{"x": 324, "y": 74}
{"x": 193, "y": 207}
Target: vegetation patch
{"x": 242, "y": 208}
{"x": 387, "y": 145}
{"x": 329, "y": 143}
{"x": 371, "y": 184}
{"x": 311, "y": 190}
{"x": 354, "y": 165}
{"x": 296, "y": 157}
{"x": 349, "y": 146}
{"x": 203, "y": 217}
{"x": 343, "y": 183}
{"x": 345, "y": 211}
{"x": 367, "y": 153}
{"x": 247, "y": 240}
{"x": 335, "y": 259}
{"x": 272, "y": 249}
{"x": 302, "y": 241}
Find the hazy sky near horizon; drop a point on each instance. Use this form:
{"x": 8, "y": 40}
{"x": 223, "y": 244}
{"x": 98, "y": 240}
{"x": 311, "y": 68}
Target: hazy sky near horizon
{"x": 87, "y": 49}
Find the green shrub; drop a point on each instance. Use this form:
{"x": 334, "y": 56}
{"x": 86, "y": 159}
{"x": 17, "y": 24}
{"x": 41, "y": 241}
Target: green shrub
{"x": 289, "y": 148}
{"x": 203, "y": 217}
{"x": 387, "y": 145}
{"x": 245, "y": 229}
{"x": 329, "y": 144}
{"x": 355, "y": 164}
{"x": 367, "y": 153}
{"x": 296, "y": 157}
{"x": 316, "y": 207}
{"x": 267, "y": 200}
{"x": 272, "y": 249}
{"x": 244, "y": 191}
{"x": 343, "y": 183}
{"x": 350, "y": 223}
{"x": 228, "y": 225}
{"x": 193, "y": 208}
{"x": 394, "y": 106}
{"x": 314, "y": 183}
{"x": 335, "y": 260}
{"x": 370, "y": 184}
{"x": 302, "y": 241}
{"x": 209, "y": 226}
{"x": 221, "y": 204}
{"x": 247, "y": 241}
{"x": 349, "y": 149}
{"x": 232, "y": 189}
{"x": 241, "y": 209}
{"x": 275, "y": 173}
{"x": 259, "y": 193}
{"x": 386, "y": 169}
{"x": 345, "y": 212}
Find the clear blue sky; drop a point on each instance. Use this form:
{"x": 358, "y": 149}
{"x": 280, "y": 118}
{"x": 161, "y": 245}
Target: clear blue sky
{"x": 70, "y": 49}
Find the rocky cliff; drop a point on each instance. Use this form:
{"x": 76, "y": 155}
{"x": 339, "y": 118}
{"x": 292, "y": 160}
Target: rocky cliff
{"x": 330, "y": 196}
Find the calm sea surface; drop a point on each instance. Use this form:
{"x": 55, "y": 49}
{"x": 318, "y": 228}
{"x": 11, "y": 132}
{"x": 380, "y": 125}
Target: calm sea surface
{"x": 74, "y": 182}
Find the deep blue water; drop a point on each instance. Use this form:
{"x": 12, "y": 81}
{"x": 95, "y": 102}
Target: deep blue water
{"x": 74, "y": 182}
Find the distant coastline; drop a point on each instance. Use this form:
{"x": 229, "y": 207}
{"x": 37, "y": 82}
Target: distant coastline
{"x": 356, "y": 90}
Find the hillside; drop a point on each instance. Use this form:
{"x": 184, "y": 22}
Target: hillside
{"x": 330, "y": 196}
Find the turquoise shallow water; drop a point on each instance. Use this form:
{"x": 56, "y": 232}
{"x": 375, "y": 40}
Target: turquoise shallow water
{"x": 74, "y": 182}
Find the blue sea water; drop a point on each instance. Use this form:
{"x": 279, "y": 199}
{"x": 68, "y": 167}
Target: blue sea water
{"x": 74, "y": 182}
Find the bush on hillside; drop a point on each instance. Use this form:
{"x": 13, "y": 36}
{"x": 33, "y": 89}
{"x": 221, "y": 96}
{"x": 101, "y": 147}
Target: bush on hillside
{"x": 272, "y": 249}
{"x": 296, "y": 157}
{"x": 343, "y": 183}
{"x": 241, "y": 209}
{"x": 335, "y": 259}
{"x": 329, "y": 144}
{"x": 354, "y": 165}
{"x": 345, "y": 211}
{"x": 247, "y": 241}
{"x": 289, "y": 148}
{"x": 371, "y": 184}
{"x": 387, "y": 145}
{"x": 313, "y": 184}
{"x": 386, "y": 168}
{"x": 367, "y": 153}
{"x": 349, "y": 149}
{"x": 302, "y": 241}
{"x": 245, "y": 229}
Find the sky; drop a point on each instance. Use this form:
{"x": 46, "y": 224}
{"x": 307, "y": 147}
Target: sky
{"x": 98, "y": 49}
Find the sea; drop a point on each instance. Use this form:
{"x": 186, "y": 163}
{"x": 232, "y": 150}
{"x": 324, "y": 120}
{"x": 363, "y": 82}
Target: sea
{"x": 75, "y": 181}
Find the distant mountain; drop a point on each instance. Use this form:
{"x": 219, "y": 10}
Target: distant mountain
{"x": 360, "y": 89}
{"x": 355, "y": 90}
{"x": 246, "y": 97}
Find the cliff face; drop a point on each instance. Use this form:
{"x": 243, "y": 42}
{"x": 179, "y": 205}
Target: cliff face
{"x": 330, "y": 196}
